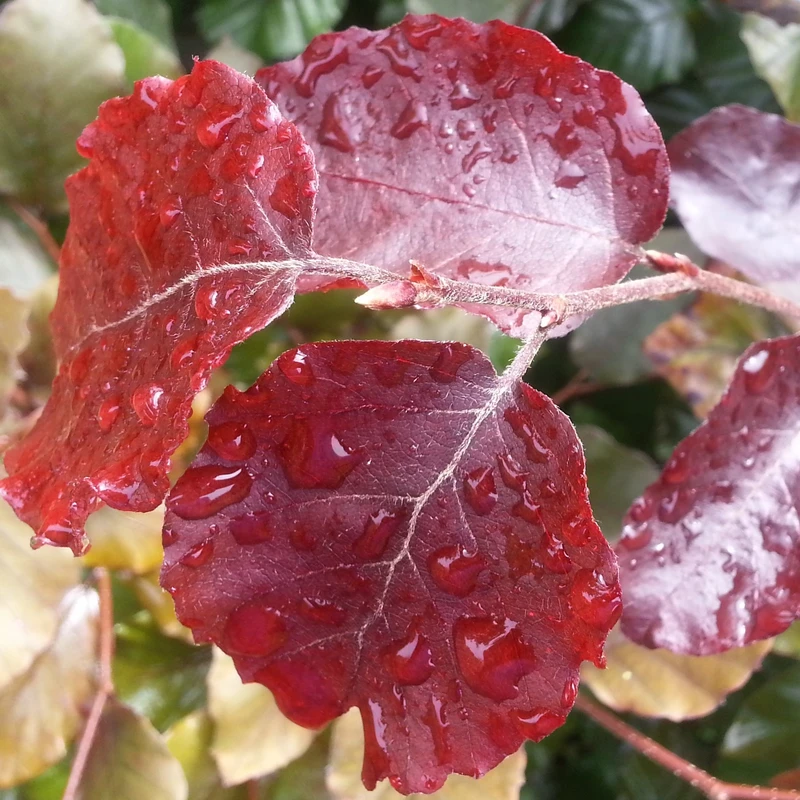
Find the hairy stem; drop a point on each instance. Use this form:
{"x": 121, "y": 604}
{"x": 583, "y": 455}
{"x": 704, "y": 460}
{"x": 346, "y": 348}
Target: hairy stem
{"x": 712, "y": 787}
{"x": 105, "y": 684}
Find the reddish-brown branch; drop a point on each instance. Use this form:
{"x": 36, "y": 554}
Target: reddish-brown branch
{"x": 105, "y": 683}
{"x": 578, "y": 386}
{"x": 712, "y": 787}
{"x": 39, "y": 228}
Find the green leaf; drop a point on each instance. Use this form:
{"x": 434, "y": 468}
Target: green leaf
{"x": 227, "y": 51}
{"x": 159, "y": 676}
{"x": 129, "y": 760}
{"x": 274, "y": 29}
{"x": 788, "y": 643}
{"x": 766, "y": 729}
{"x": 42, "y": 709}
{"x": 775, "y": 52}
{"x": 476, "y": 10}
{"x": 723, "y": 74}
{"x": 153, "y": 16}
{"x": 57, "y": 69}
{"x": 646, "y": 42}
{"x": 24, "y": 265}
{"x": 33, "y": 586}
{"x": 549, "y": 16}
{"x": 616, "y": 474}
{"x": 251, "y": 736}
{"x": 145, "y": 55}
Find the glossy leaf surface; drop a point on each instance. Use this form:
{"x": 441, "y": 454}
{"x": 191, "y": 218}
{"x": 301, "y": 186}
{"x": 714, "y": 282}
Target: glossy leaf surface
{"x": 447, "y": 576}
{"x": 736, "y": 187}
{"x": 709, "y": 555}
{"x": 480, "y": 151}
{"x": 151, "y": 296}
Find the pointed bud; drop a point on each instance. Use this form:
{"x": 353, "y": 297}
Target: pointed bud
{"x": 400, "y": 294}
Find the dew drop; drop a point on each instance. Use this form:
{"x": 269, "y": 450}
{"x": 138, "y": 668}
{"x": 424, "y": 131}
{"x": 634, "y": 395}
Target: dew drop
{"x": 146, "y": 401}
{"x": 452, "y": 356}
{"x": 569, "y": 693}
{"x": 759, "y": 371}
{"x": 569, "y": 175}
{"x": 170, "y": 210}
{"x": 676, "y": 470}
{"x": 522, "y": 426}
{"x": 376, "y": 751}
{"x": 409, "y": 660}
{"x": 454, "y": 570}
{"x": 183, "y": 352}
{"x": 233, "y": 441}
{"x": 413, "y": 117}
{"x": 537, "y": 723}
{"x": 462, "y": 96}
{"x": 254, "y": 629}
{"x": 492, "y": 656}
{"x": 380, "y": 527}
{"x": 435, "y": 718}
{"x": 108, "y": 412}
{"x": 320, "y": 610}
{"x": 199, "y": 555}
{"x": 251, "y": 529}
{"x": 203, "y": 491}
{"x": 597, "y": 603}
{"x": 297, "y": 369}
{"x": 214, "y": 127}
{"x": 371, "y": 76}
{"x": 480, "y": 490}
{"x": 334, "y": 128}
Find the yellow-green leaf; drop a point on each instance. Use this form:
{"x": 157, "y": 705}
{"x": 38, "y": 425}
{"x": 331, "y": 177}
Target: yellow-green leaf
{"x": 125, "y": 540}
{"x": 234, "y": 55}
{"x": 60, "y": 61}
{"x": 13, "y": 339}
{"x": 251, "y": 736}
{"x": 347, "y": 754}
{"x": 32, "y": 587}
{"x": 42, "y": 709}
{"x": 129, "y": 760}
{"x": 657, "y": 683}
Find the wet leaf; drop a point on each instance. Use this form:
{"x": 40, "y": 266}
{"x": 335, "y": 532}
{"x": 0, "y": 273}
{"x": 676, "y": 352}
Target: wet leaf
{"x": 501, "y": 181}
{"x": 70, "y": 63}
{"x": 616, "y": 474}
{"x": 129, "y": 755}
{"x": 657, "y": 683}
{"x": 118, "y": 408}
{"x": 344, "y": 772}
{"x": 459, "y": 564}
{"x": 775, "y": 52}
{"x": 696, "y": 350}
{"x": 709, "y": 554}
{"x": 251, "y": 736}
{"x": 736, "y": 187}
{"x": 122, "y": 540}
{"x": 32, "y": 588}
{"x": 275, "y": 29}
{"x": 42, "y": 709}
{"x": 646, "y": 42}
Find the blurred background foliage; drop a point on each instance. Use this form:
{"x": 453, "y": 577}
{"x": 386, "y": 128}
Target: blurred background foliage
{"x": 635, "y": 380}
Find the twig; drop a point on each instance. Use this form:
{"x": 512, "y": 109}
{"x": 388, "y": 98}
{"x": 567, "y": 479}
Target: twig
{"x": 579, "y": 385}
{"x": 105, "y": 684}
{"x": 252, "y": 788}
{"x": 39, "y": 228}
{"x": 712, "y": 787}
{"x": 426, "y": 289}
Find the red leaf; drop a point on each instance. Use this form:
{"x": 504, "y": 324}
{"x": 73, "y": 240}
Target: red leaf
{"x": 183, "y": 177}
{"x": 480, "y": 151}
{"x": 736, "y": 188}
{"x": 709, "y": 555}
{"x": 408, "y": 534}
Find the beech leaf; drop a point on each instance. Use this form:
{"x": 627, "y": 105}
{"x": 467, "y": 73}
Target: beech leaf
{"x": 251, "y": 736}
{"x": 736, "y": 188}
{"x": 42, "y": 709}
{"x": 480, "y": 151}
{"x": 657, "y": 683}
{"x": 152, "y": 294}
{"x": 447, "y": 576}
{"x": 709, "y": 555}
{"x": 344, "y": 772}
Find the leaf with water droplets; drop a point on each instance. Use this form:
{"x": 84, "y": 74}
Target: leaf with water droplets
{"x": 155, "y": 287}
{"x": 480, "y": 151}
{"x": 736, "y": 188}
{"x": 447, "y": 575}
{"x": 709, "y": 554}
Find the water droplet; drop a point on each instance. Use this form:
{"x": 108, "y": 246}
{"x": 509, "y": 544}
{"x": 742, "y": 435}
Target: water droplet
{"x": 674, "y": 506}
{"x": 168, "y": 536}
{"x": 452, "y": 356}
{"x": 555, "y": 558}
{"x": 334, "y": 128}
{"x": 436, "y": 719}
{"x": 538, "y": 723}
{"x": 480, "y": 490}
{"x": 569, "y": 175}
{"x": 371, "y": 76}
{"x": 454, "y": 570}
{"x": 380, "y": 527}
{"x": 492, "y": 656}
{"x": 462, "y": 96}
{"x": 251, "y": 529}
{"x": 505, "y": 88}
{"x": 320, "y": 610}
{"x": 214, "y": 127}
{"x": 146, "y": 400}
{"x": 597, "y": 603}
{"x": 676, "y": 470}
{"x": 233, "y": 441}
{"x": 511, "y": 472}
{"x": 376, "y": 753}
{"x": 199, "y": 555}
{"x": 759, "y": 369}
{"x": 569, "y": 692}
{"x": 401, "y": 59}
{"x": 466, "y": 129}
{"x": 108, "y": 412}
{"x": 170, "y": 210}
{"x": 635, "y": 536}
{"x": 314, "y": 457}
{"x": 522, "y": 426}
{"x": 254, "y": 629}
{"x": 297, "y": 369}
{"x": 411, "y": 119}
{"x": 206, "y": 490}
{"x": 409, "y": 660}
{"x": 478, "y": 152}
{"x": 321, "y": 57}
